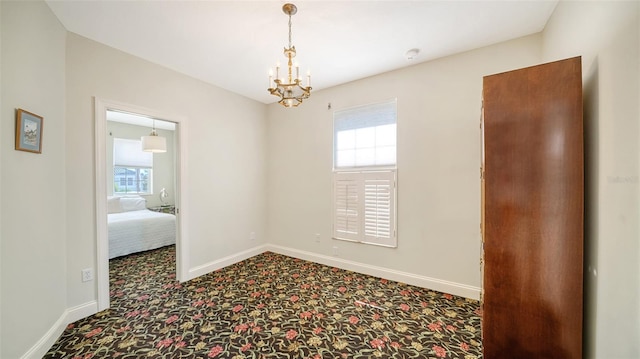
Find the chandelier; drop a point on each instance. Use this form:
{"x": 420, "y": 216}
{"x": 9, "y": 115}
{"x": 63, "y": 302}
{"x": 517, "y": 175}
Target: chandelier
{"x": 289, "y": 89}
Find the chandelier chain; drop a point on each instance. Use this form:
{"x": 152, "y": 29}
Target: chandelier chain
{"x": 289, "y": 30}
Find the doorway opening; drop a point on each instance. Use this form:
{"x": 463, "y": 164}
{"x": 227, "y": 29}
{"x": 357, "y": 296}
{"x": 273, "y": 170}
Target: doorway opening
{"x": 150, "y": 185}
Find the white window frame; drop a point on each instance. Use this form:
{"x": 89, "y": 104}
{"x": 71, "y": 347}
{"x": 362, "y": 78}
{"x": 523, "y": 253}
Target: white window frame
{"x": 364, "y": 197}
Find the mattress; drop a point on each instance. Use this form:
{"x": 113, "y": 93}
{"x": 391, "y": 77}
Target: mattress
{"x": 137, "y": 231}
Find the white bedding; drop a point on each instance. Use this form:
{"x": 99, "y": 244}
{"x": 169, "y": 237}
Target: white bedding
{"x": 136, "y": 231}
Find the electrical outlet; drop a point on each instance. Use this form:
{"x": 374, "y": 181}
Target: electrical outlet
{"x": 317, "y": 237}
{"x": 252, "y": 236}
{"x": 87, "y": 275}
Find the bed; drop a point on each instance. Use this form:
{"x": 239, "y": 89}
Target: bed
{"x": 133, "y": 228}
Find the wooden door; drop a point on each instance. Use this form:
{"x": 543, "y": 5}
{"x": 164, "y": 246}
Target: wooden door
{"x": 533, "y": 212}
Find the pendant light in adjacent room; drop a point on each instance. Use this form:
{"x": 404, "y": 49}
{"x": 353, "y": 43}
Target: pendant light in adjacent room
{"x": 153, "y": 142}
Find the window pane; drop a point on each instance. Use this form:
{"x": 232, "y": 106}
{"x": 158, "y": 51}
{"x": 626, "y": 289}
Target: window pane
{"x": 369, "y": 130}
{"x": 346, "y": 140}
{"x": 366, "y": 137}
{"x": 131, "y": 180}
{"x": 386, "y": 135}
{"x": 386, "y": 155}
{"x": 365, "y": 156}
{"x": 346, "y": 158}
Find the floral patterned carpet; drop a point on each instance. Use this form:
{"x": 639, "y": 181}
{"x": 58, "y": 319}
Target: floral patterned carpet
{"x": 269, "y": 306}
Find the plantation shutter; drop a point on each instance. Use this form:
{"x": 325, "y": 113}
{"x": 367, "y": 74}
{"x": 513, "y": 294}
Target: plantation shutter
{"x": 346, "y": 202}
{"x": 365, "y": 207}
{"x": 378, "y": 204}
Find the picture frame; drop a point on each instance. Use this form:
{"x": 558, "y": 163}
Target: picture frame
{"x": 28, "y": 131}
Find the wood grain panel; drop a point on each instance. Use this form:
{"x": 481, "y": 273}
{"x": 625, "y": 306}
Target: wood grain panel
{"x": 533, "y": 211}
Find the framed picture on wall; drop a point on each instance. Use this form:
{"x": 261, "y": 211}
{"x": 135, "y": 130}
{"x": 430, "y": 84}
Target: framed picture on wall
{"x": 28, "y": 131}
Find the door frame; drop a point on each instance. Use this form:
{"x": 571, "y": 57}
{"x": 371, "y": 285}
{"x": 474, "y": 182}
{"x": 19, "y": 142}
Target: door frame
{"x": 102, "y": 238}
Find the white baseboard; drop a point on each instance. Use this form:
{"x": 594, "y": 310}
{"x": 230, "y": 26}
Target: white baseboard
{"x": 226, "y": 261}
{"x": 49, "y": 338}
{"x": 440, "y": 285}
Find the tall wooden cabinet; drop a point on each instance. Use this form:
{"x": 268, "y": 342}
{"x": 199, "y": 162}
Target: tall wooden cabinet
{"x": 533, "y": 186}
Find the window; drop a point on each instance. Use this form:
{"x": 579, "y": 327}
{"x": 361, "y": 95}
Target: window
{"x": 364, "y": 182}
{"x": 365, "y": 136}
{"x": 132, "y": 168}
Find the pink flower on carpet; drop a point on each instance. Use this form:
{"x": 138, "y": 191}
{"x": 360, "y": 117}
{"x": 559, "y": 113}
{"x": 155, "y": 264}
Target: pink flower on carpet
{"x": 447, "y": 296}
{"x": 405, "y": 293}
{"x": 164, "y": 343}
{"x": 257, "y": 329}
{"x": 240, "y": 328}
{"x": 424, "y": 304}
{"x": 132, "y": 314}
{"x": 123, "y": 329}
{"x": 93, "y": 332}
{"x": 384, "y": 281}
{"x": 305, "y": 285}
{"x": 255, "y": 294}
{"x": 434, "y": 327}
{"x": 464, "y": 346}
{"x": 342, "y": 289}
{"x": 395, "y": 345}
{"x": 260, "y": 306}
{"x": 70, "y": 326}
{"x": 404, "y": 307}
{"x": 353, "y": 319}
{"x": 215, "y": 351}
{"x": 319, "y": 315}
{"x": 306, "y": 315}
{"x": 295, "y": 275}
{"x": 440, "y": 351}
{"x": 294, "y": 298}
{"x": 197, "y": 316}
{"x": 237, "y": 308}
{"x": 143, "y": 297}
{"x": 317, "y": 331}
{"x": 171, "y": 319}
{"x": 377, "y": 344}
{"x": 376, "y": 316}
{"x": 200, "y": 290}
{"x": 291, "y": 334}
{"x": 245, "y": 347}
{"x": 251, "y": 282}
{"x": 181, "y": 344}
{"x": 450, "y": 327}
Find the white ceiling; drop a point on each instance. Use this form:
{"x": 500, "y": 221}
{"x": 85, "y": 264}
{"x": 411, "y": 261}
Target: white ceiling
{"x": 233, "y": 44}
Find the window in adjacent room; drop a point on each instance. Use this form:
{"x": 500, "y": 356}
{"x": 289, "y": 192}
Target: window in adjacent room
{"x": 132, "y": 168}
{"x": 364, "y": 178}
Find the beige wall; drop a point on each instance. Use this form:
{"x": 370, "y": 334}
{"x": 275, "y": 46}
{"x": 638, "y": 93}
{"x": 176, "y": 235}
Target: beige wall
{"x": 164, "y": 164}
{"x": 607, "y": 36}
{"x": 32, "y": 231}
{"x": 438, "y": 159}
{"x": 225, "y": 147}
